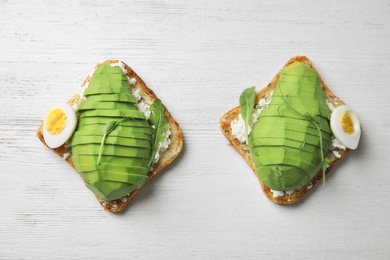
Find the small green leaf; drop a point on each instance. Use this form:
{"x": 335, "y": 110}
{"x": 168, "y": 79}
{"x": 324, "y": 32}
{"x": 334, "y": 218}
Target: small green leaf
{"x": 160, "y": 123}
{"x": 247, "y": 104}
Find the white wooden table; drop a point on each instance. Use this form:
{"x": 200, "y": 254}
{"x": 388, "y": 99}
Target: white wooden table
{"x": 197, "y": 56}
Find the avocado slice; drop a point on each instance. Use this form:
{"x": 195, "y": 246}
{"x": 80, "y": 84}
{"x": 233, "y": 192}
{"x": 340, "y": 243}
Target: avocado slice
{"x": 118, "y": 130}
{"x": 97, "y": 129}
{"x": 302, "y": 94}
{"x": 292, "y": 135}
{"x": 271, "y": 125}
{"x": 122, "y": 141}
{"x": 302, "y": 105}
{"x": 105, "y": 105}
{"x": 305, "y": 80}
{"x": 284, "y": 176}
{"x": 107, "y": 80}
{"x": 287, "y": 113}
{"x": 122, "y": 177}
{"x": 106, "y": 90}
{"x": 113, "y": 97}
{"x": 285, "y": 142}
{"x": 114, "y": 150}
{"x": 133, "y": 135}
{"x": 115, "y": 113}
{"x": 97, "y": 121}
{"x": 274, "y": 157}
{"x": 299, "y": 69}
{"x": 87, "y": 167}
{"x": 294, "y": 126}
{"x": 90, "y": 159}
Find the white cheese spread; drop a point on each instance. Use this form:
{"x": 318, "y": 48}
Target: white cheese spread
{"x": 238, "y": 125}
{"x": 277, "y": 193}
{"x": 164, "y": 144}
{"x": 120, "y": 65}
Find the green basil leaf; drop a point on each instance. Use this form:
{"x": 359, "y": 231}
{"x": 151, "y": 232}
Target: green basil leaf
{"x": 247, "y": 104}
{"x": 160, "y": 123}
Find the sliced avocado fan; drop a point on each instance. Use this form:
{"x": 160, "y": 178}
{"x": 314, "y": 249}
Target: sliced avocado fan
{"x": 126, "y": 152}
{"x": 289, "y": 139}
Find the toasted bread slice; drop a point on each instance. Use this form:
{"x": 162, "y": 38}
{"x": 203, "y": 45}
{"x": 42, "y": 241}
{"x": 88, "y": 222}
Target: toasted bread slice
{"x": 166, "y": 157}
{"x": 242, "y": 148}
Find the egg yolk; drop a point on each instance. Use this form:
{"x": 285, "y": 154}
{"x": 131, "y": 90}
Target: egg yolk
{"x": 55, "y": 121}
{"x": 346, "y": 123}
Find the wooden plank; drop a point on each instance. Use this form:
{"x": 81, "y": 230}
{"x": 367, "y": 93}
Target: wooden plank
{"x": 197, "y": 56}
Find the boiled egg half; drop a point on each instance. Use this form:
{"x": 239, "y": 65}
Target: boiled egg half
{"x": 345, "y": 125}
{"x": 59, "y": 125}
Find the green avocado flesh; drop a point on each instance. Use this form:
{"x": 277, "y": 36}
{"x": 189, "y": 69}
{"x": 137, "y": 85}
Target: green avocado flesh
{"x": 113, "y": 150}
{"x": 92, "y": 159}
{"x": 113, "y": 113}
{"x": 113, "y": 176}
{"x": 126, "y": 150}
{"x": 102, "y": 121}
{"x": 88, "y": 167}
{"x": 112, "y": 140}
{"x": 302, "y": 126}
{"x": 120, "y": 97}
{"x": 104, "y": 105}
{"x": 286, "y": 141}
{"x": 136, "y": 132}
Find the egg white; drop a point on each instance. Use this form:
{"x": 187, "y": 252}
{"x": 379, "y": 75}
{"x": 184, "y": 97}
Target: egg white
{"x": 349, "y": 140}
{"x": 56, "y": 140}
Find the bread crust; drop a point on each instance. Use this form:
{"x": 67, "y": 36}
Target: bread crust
{"x": 243, "y": 150}
{"x": 166, "y": 157}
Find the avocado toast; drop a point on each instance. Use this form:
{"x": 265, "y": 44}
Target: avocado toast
{"x": 289, "y": 145}
{"x": 124, "y": 135}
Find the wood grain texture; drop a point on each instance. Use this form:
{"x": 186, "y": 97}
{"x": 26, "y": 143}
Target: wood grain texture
{"x": 197, "y": 56}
